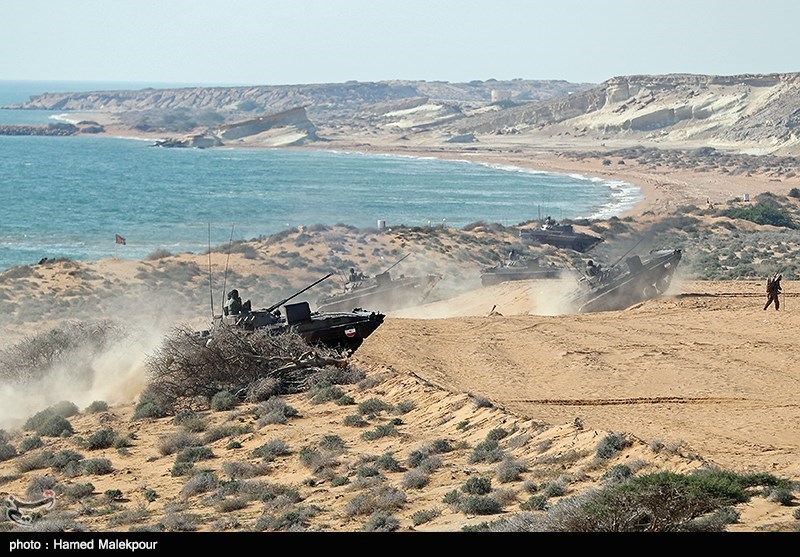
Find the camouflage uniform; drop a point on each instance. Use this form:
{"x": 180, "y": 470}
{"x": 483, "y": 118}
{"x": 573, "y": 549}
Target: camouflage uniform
{"x": 774, "y": 291}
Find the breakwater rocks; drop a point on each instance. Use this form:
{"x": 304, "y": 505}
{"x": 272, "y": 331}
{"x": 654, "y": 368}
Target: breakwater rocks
{"x": 29, "y": 129}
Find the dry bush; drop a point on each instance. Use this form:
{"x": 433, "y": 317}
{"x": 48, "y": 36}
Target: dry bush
{"x": 70, "y": 345}
{"x": 187, "y": 366}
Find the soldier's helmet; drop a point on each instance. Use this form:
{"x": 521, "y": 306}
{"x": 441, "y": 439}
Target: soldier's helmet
{"x": 234, "y": 293}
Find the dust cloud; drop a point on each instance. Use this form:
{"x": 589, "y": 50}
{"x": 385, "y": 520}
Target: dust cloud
{"x": 528, "y": 297}
{"x": 113, "y": 371}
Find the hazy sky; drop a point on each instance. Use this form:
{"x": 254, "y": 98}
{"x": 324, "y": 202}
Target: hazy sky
{"x": 269, "y": 42}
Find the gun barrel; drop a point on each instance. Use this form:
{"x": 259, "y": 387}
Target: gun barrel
{"x": 275, "y": 306}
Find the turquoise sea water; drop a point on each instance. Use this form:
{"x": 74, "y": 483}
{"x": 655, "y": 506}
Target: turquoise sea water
{"x": 70, "y": 196}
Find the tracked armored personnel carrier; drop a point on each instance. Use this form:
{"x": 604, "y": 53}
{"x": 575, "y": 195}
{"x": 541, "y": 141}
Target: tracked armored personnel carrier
{"x": 559, "y": 235}
{"x": 382, "y": 292}
{"x": 340, "y": 330}
{"x": 620, "y": 287}
{"x": 522, "y": 268}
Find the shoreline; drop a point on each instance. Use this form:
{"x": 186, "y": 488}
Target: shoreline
{"x": 662, "y": 189}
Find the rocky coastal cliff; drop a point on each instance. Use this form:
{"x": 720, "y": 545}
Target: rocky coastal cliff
{"x": 753, "y": 114}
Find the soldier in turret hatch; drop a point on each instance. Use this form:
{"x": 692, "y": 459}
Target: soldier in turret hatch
{"x": 233, "y": 305}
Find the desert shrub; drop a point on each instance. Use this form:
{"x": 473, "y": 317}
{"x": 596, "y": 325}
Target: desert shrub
{"x": 794, "y": 192}
{"x": 65, "y": 408}
{"x": 7, "y": 452}
{"x": 270, "y": 450}
{"x": 101, "y": 439}
{"x": 228, "y": 430}
{"x": 618, "y": 473}
{"x": 276, "y": 408}
{"x": 34, "y": 461}
{"x": 381, "y": 521}
{"x": 29, "y": 443}
{"x": 534, "y": 503}
{"x": 424, "y": 516}
{"x": 241, "y": 470}
{"x": 368, "y": 471}
{"x": 405, "y": 406}
{"x": 610, "y": 445}
{"x": 174, "y": 442}
{"x": 62, "y": 460}
{"x": 79, "y": 491}
{"x": 200, "y": 483}
{"x": 382, "y": 430}
{"x": 326, "y": 394}
{"x": 553, "y": 489}
{"x": 97, "y": 466}
{"x": 337, "y": 481}
{"x": 332, "y": 443}
{"x": 97, "y": 406}
{"x": 355, "y": 420}
{"x": 191, "y": 421}
{"x": 486, "y": 451}
{"x": 509, "y": 470}
{"x": 479, "y": 504}
{"x": 293, "y": 520}
{"x": 223, "y": 400}
{"x": 781, "y": 495}
{"x": 766, "y": 211}
{"x": 112, "y": 495}
{"x": 152, "y": 405}
{"x": 55, "y": 426}
{"x": 180, "y": 522}
{"x": 194, "y": 454}
{"x": 313, "y": 459}
{"x": 661, "y": 502}
{"x": 439, "y": 446}
{"x": 496, "y": 434}
{"x": 415, "y": 479}
{"x": 383, "y": 497}
{"x": 373, "y": 407}
{"x": 477, "y": 486}
{"x": 388, "y": 462}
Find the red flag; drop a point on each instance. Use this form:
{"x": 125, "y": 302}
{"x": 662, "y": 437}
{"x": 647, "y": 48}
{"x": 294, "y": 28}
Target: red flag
{"x": 120, "y": 240}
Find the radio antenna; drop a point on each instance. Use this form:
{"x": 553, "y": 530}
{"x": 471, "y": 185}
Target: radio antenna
{"x": 210, "y": 286}
{"x": 225, "y": 280}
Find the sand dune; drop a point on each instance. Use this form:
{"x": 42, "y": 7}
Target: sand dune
{"x": 707, "y": 366}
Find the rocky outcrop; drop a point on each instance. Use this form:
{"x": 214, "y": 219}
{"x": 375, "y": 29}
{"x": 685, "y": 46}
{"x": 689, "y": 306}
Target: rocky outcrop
{"x": 295, "y": 120}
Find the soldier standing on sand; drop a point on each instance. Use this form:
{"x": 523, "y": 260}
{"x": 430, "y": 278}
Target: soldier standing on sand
{"x": 774, "y": 291}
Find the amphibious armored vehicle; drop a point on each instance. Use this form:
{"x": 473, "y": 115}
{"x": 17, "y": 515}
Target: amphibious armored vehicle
{"x": 340, "y": 330}
{"x": 621, "y": 287}
{"x": 521, "y": 268}
{"x": 382, "y": 292}
{"x": 560, "y": 235}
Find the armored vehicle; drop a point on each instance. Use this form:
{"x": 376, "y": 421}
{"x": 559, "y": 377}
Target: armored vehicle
{"x": 518, "y": 268}
{"x": 620, "y": 287}
{"x": 560, "y": 235}
{"x": 340, "y": 330}
{"x": 382, "y": 292}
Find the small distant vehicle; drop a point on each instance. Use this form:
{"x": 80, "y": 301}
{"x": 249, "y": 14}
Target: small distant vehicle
{"x": 341, "y": 331}
{"x": 382, "y": 292}
{"x": 560, "y": 235}
{"x": 619, "y": 288}
{"x": 518, "y": 268}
